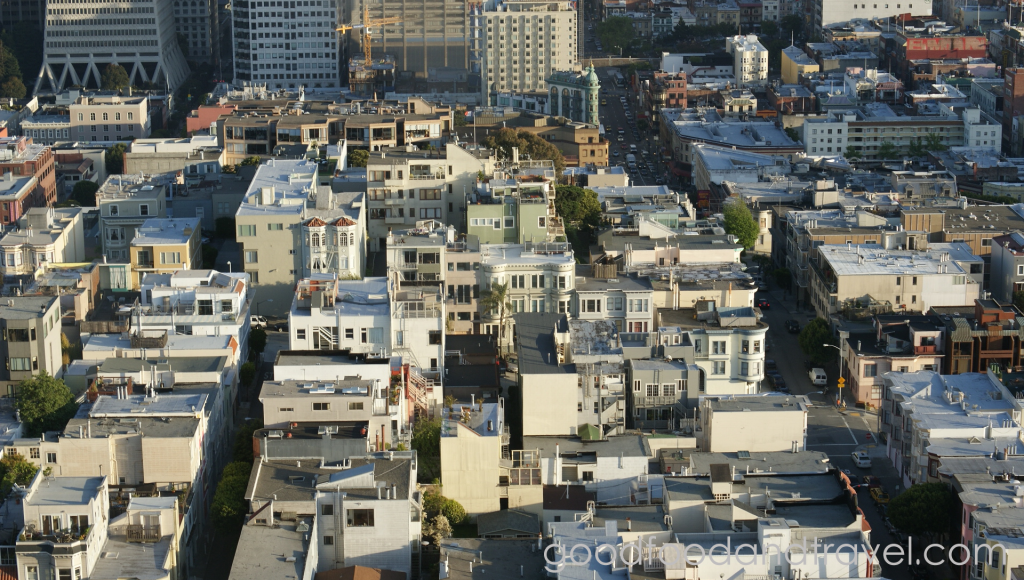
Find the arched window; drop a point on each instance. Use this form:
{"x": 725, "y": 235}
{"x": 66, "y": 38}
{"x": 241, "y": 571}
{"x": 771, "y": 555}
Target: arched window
{"x": 314, "y": 240}
{"x": 344, "y": 240}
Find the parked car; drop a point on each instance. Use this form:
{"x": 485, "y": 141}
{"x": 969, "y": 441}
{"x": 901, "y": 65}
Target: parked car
{"x": 880, "y": 497}
{"x": 763, "y": 303}
{"x": 778, "y": 383}
{"x": 257, "y": 321}
{"x": 871, "y": 481}
{"x": 793, "y": 326}
{"x": 861, "y": 459}
{"x": 769, "y": 364}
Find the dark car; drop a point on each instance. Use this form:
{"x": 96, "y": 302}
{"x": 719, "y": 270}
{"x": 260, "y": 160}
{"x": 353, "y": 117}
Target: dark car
{"x": 871, "y": 481}
{"x": 763, "y": 303}
{"x": 769, "y": 365}
{"x": 793, "y": 326}
{"x": 778, "y": 383}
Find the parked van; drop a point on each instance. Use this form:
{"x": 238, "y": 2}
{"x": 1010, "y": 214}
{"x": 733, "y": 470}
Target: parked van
{"x": 818, "y": 377}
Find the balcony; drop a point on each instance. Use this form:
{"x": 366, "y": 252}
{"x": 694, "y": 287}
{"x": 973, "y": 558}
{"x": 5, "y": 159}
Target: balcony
{"x": 924, "y": 349}
{"x": 395, "y": 220}
{"x": 142, "y": 534}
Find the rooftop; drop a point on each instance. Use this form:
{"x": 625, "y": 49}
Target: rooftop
{"x": 120, "y": 187}
{"x": 281, "y": 187}
{"x": 777, "y": 403}
{"x": 267, "y": 552}
{"x": 66, "y": 491}
{"x": 536, "y": 343}
{"x": 25, "y": 307}
{"x": 773, "y": 462}
{"x": 166, "y": 231}
{"x": 872, "y": 260}
{"x": 627, "y": 445}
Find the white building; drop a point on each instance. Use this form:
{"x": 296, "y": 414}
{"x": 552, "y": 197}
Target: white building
{"x": 625, "y": 301}
{"x": 197, "y": 302}
{"x": 756, "y": 424}
{"x": 331, "y": 314}
{"x": 828, "y": 12}
{"x": 610, "y": 467}
{"x": 417, "y": 324}
{"x": 45, "y": 235}
{"x": 80, "y": 45}
{"x": 310, "y": 61}
{"x": 540, "y": 277}
{"x": 981, "y": 131}
{"x": 909, "y": 280}
{"x": 525, "y": 41}
{"x": 714, "y": 164}
{"x": 750, "y": 60}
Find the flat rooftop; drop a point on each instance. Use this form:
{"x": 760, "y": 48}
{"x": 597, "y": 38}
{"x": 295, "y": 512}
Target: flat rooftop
{"x": 627, "y": 445}
{"x": 536, "y": 343}
{"x": 787, "y": 403}
{"x": 166, "y": 231}
{"x": 872, "y": 260}
{"x": 66, "y": 491}
{"x": 24, "y": 307}
{"x": 775, "y": 461}
{"x": 264, "y": 552}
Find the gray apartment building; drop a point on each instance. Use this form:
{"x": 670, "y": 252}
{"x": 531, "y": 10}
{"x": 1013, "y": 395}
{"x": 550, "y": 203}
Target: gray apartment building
{"x": 1007, "y": 269}
{"x": 125, "y": 202}
{"x": 30, "y": 332}
{"x": 657, "y": 393}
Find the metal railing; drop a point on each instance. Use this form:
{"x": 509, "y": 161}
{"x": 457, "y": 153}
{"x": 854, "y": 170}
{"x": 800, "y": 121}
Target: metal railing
{"x": 141, "y": 533}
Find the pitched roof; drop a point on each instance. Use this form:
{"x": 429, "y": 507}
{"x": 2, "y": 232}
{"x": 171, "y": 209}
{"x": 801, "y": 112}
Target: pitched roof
{"x": 316, "y": 223}
{"x": 343, "y": 221}
{"x": 504, "y": 520}
{"x": 588, "y": 432}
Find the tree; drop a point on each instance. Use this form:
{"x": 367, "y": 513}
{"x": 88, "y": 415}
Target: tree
{"x": 460, "y": 118}
{"x": 812, "y": 339}
{"x": 581, "y": 213}
{"x": 358, "y": 157}
{"x": 426, "y": 440}
{"x": 258, "y": 340}
{"x": 922, "y": 509}
{"x": 740, "y": 222}
{"x": 251, "y": 160}
{"x": 436, "y": 530}
{"x": 247, "y": 373}
{"x": 616, "y": 32}
{"x": 792, "y": 26}
{"x": 243, "y": 440}
{"x": 114, "y": 78}
{"x": 13, "y": 88}
{"x": 46, "y": 404}
{"x": 85, "y": 193}
{"x": 769, "y": 28}
{"x": 1018, "y": 300}
{"x": 793, "y": 134}
{"x": 435, "y": 504}
{"x": 887, "y": 151}
{"x": 229, "y": 506}
{"x": 114, "y": 158}
{"x": 933, "y": 142}
{"x": 783, "y": 277}
{"x": 496, "y": 298}
{"x": 504, "y": 139}
{"x": 15, "y": 469}
{"x": 852, "y": 153}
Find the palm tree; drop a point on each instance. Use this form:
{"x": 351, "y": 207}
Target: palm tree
{"x": 496, "y": 298}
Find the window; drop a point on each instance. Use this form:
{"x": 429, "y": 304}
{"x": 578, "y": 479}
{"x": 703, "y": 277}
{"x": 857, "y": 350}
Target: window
{"x": 51, "y": 457}
{"x": 434, "y": 337}
{"x": 359, "y": 518}
{"x": 275, "y": 227}
{"x": 652, "y": 390}
{"x": 870, "y": 370}
{"x": 113, "y": 209}
{"x": 744, "y": 368}
{"x": 130, "y": 116}
{"x": 225, "y": 306}
{"x": 247, "y": 231}
{"x": 33, "y": 453}
{"x": 718, "y": 347}
{"x": 170, "y": 257}
{"x": 719, "y": 368}
{"x": 321, "y": 406}
{"x": 355, "y": 406}
{"x": 1020, "y": 270}
{"x": 18, "y": 364}
{"x": 328, "y": 540}
{"x": 300, "y": 333}
{"x": 668, "y": 390}
{"x": 31, "y": 572}
{"x": 588, "y": 476}
{"x": 144, "y": 209}
{"x": 327, "y": 509}
{"x": 590, "y": 306}
{"x": 542, "y": 222}
{"x": 251, "y": 256}
{"x": 350, "y": 333}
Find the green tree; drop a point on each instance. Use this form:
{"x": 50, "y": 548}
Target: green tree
{"x": 504, "y": 139}
{"x": 581, "y": 215}
{"x": 460, "y": 118}
{"x": 114, "y": 78}
{"x": 243, "y": 451}
{"x": 229, "y": 506}
{"x": 46, "y": 404}
{"x": 769, "y": 28}
{"x": 247, "y": 373}
{"x": 812, "y": 339}
{"x": 435, "y": 504}
{"x": 436, "y": 530}
{"x": 933, "y": 142}
{"x": 426, "y": 440}
{"x": 25, "y": 43}
{"x": 85, "y": 193}
{"x": 793, "y": 134}
{"x": 852, "y": 153}
{"x": 887, "y": 151}
{"x": 15, "y": 469}
{"x": 616, "y": 32}
{"x": 738, "y": 221}
{"x": 495, "y": 299}
{"x": 792, "y": 25}
{"x": 783, "y": 277}
{"x": 358, "y": 157}
{"x": 922, "y": 509}
{"x": 251, "y": 160}
{"x": 114, "y": 158}
{"x": 258, "y": 340}
{"x": 13, "y": 88}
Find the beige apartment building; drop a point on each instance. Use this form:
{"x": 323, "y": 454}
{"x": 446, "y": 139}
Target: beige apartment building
{"x": 287, "y": 229}
{"x": 165, "y": 245}
{"x": 125, "y": 203}
{"x": 525, "y": 42}
{"x": 109, "y": 118}
{"x": 756, "y": 424}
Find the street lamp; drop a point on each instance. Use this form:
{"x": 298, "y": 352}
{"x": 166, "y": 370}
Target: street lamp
{"x": 261, "y": 302}
{"x": 229, "y": 267}
{"x": 841, "y": 380}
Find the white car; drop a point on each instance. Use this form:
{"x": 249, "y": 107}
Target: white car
{"x": 861, "y": 459}
{"x": 818, "y": 377}
{"x": 257, "y": 321}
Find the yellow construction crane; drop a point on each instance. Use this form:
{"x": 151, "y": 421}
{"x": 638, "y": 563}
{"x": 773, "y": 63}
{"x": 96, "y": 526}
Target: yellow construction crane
{"x": 365, "y": 27}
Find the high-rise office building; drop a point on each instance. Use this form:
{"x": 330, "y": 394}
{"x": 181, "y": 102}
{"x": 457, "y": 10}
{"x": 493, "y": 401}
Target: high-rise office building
{"x": 431, "y": 34}
{"x": 82, "y": 38}
{"x": 524, "y": 41}
{"x": 23, "y": 12}
{"x": 285, "y": 43}
{"x": 198, "y": 23}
